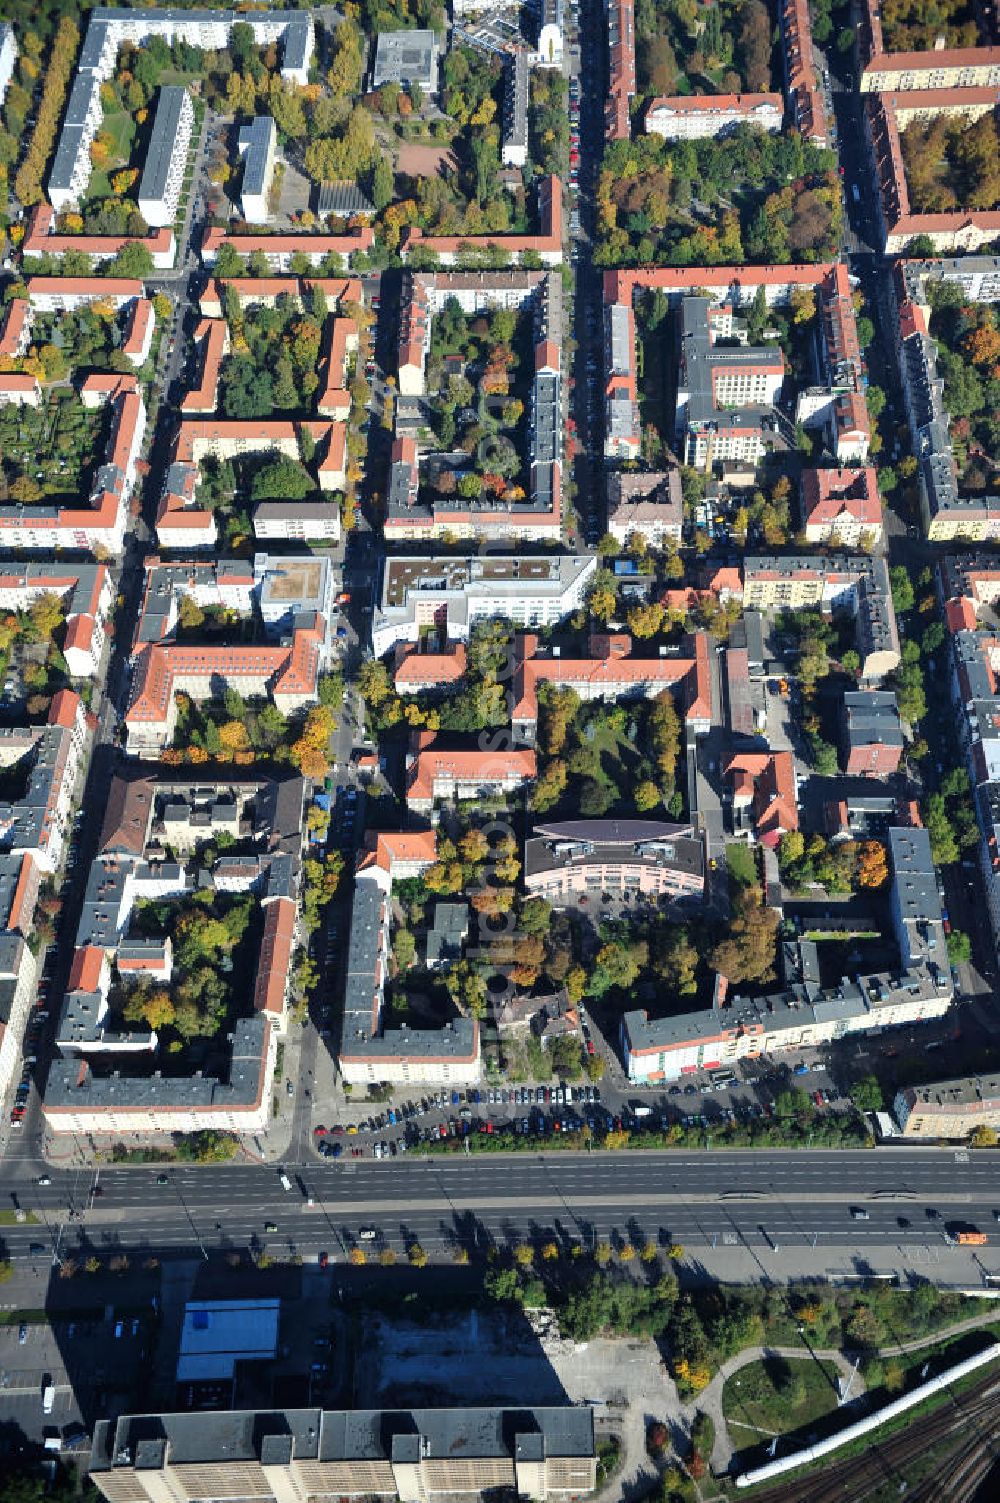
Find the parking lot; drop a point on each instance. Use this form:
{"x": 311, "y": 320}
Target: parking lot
{"x": 541, "y": 1111}
{"x": 90, "y": 1365}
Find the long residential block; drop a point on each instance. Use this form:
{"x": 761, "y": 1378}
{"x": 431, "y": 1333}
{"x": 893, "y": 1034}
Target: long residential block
{"x": 411, "y": 1455}
{"x": 166, "y": 157}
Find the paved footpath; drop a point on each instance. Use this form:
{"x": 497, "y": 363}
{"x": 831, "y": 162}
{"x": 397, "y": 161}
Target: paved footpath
{"x": 710, "y": 1399}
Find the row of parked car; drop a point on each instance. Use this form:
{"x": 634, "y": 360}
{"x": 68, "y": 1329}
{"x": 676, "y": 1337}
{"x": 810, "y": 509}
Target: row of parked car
{"x": 32, "y": 1037}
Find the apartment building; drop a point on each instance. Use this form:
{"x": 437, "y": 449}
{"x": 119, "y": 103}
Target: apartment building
{"x": 211, "y": 336}
{"x": 622, "y": 428}
{"x": 257, "y": 145}
{"x": 435, "y": 775}
{"x": 648, "y": 504}
{"x": 38, "y": 822}
{"x": 15, "y": 328}
{"x": 915, "y": 902}
{"x": 939, "y": 67}
{"x": 726, "y": 392}
{"x": 630, "y": 858}
{"x": 87, "y": 594}
{"x": 280, "y": 250}
{"x": 695, "y": 117}
{"x": 411, "y": 1455}
{"x": 885, "y": 115}
{"x": 621, "y": 69}
{"x": 948, "y": 1108}
{"x": 872, "y": 733}
{"x": 417, "y": 672}
{"x": 339, "y": 292}
{"x": 109, "y": 27}
{"x": 612, "y": 673}
{"x": 764, "y": 795}
{"x": 42, "y": 239}
{"x": 369, "y": 1051}
{"x": 8, "y": 56}
{"x": 853, "y": 583}
{"x": 101, "y": 523}
{"x": 514, "y": 150}
{"x": 139, "y": 331}
{"x": 547, "y": 245}
{"x": 838, "y": 404}
{"x": 166, "y": 157}
{"x": 102, "y": 1082}
{"x": 805, "y": 1015}
{"x": 19, "y": 391}
{"x": 181, "y": 522}
{"x": 340, "y": 342}
{"x": 449, "y": 594}
{"x": 414, "y": 335}
{"x": 294, "y": 601}
{"x": 802, "y": 85}
{"x": 841, "y": 507}
{"x": 947, "y": 512}
{"x": 536, "y": 517}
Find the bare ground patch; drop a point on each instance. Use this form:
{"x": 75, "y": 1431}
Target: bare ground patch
{"x": 424, "y": 161}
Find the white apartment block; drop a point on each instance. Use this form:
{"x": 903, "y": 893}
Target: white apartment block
{"x": 166, "y": 158}
{"x": 697, "y": 116}
{"x": 257, "y": 144}
{"x": 452, "y": 594}
{"x": 8, "y": 56}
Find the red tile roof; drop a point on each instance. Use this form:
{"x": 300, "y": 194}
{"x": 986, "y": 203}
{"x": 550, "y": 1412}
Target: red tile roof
{"x": 41, "y": 240}
{"x": 14, "y": 323}
{"x": 274, "y": 960}
{"x": 391, "y": 847}
{"x": 768, "y": 780}
{"x": 85, "y": 971}
{"x": 213, "y": 335}
{"x": 140, "y": 319}
{"x": 361, "y": 239}
{"x": 485, "y": 768}
{"x": 828, "y": 495}
{"x": 65, "y": 707}
{"x": 429, "y": 670}
{"x": 611, "y": 669}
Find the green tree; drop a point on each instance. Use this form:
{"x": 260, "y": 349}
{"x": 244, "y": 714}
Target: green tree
{"x": 867, "y": 1094}
{"x": 281, "y": 479}
{"x": 133, "y": 260}
{"x": 903, "y": 596}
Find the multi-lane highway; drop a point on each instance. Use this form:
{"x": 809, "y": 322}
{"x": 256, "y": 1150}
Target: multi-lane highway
{"x": 764, "y": 1200}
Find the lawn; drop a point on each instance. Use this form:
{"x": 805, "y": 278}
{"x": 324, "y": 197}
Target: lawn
{"x": 120, "y": 128}
{"x": 742, "y": 864}
{"x": 776, "y": 1396}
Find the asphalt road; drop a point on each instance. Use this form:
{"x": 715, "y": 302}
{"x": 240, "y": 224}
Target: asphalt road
{"x": 759, "y": 1199}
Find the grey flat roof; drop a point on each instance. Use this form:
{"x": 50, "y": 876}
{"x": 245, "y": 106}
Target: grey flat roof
{"x": 61, "y": 171}
{"x": 257, "y": 141}
{"x": 340, "y": 1435}
{"x": 162, "y": 143}
{"x": 406, "y": 57}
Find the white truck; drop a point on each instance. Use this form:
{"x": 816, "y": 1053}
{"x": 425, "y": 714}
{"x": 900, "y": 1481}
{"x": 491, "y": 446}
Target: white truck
{"x": 48, "y": 1398}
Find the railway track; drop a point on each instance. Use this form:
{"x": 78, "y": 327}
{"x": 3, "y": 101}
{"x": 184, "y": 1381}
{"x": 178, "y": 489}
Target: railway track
{"x": 972, "y": 1420}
